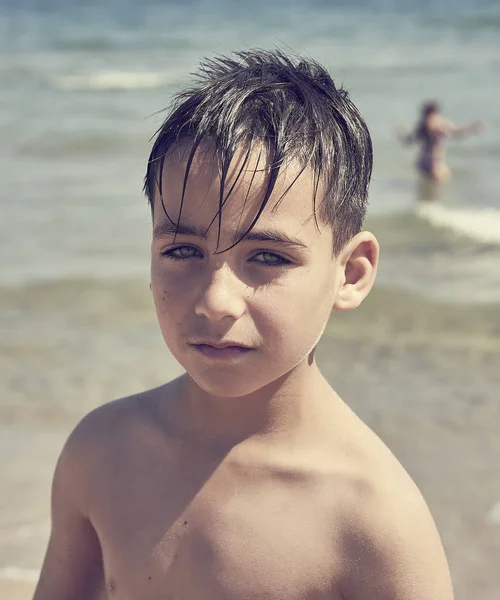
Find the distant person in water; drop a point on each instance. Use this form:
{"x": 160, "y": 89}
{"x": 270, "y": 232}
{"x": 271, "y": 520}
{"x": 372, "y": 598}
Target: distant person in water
{"x": 430, "y": 132}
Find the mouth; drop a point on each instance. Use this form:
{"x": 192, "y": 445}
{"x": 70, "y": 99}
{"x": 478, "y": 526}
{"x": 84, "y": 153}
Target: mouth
{"x": 221, "y": 350}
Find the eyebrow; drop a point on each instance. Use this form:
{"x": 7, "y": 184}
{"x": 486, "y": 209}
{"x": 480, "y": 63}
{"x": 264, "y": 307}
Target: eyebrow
{"x": 167, "y": 228}
{"x": 275, "y": 236}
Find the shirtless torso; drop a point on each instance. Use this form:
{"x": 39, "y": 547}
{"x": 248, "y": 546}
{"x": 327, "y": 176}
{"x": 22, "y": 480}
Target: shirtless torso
{"x": 431, "y": 159}
{"x": 159, "y": 513}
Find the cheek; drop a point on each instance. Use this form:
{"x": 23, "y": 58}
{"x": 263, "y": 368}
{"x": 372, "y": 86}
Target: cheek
{"x": 168, "y": 295}
{"x": 297, "y": 313}
{"x": 167, "y": 282}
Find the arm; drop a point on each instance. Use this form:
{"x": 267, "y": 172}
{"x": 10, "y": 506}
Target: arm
{"x": 405, "y": 135}
{"x": 475, "y": 127}
{"x": 395, "y": 553}
{"x": 72, "y": 569}
{"x": 451, "y": 130}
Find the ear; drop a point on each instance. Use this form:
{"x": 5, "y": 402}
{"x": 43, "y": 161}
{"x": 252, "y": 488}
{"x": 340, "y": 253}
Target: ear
{"x": 359, "y": 261}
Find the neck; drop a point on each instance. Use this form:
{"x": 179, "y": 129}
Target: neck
{"x": 281, "y": 409}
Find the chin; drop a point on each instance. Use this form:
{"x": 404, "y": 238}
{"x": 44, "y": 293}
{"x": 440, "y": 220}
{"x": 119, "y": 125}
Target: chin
{"x": 227, "y": 386}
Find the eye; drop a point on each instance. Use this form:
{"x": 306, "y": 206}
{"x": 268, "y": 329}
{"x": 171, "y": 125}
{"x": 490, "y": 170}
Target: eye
{"x": 182, "y": 253}
{"x": 270, "y": 259}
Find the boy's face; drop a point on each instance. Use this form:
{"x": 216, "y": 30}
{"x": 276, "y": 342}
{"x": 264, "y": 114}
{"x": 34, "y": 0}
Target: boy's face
{"x": 239, "y": 320}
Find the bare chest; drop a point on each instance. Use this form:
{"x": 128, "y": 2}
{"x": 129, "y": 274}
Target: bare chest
{"x": 217, "y": 541}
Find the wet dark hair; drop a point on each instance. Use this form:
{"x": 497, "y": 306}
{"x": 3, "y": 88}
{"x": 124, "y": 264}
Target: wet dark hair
{"x": 290, "y": 107}
{"x": 429, "y": 107}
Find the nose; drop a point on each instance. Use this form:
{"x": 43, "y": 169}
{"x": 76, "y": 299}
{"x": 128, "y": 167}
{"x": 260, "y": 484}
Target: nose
{"x": 222, "y": 295}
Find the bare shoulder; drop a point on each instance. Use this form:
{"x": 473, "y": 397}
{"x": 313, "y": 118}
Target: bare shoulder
{"x": 112, "y": 419}
{"x": 93, "y": 453}
{"x": 104, "y": 434}
{"x": 440, "y": 124}
{"x": 106, "y": 423}
{"x": 390, "y": 544}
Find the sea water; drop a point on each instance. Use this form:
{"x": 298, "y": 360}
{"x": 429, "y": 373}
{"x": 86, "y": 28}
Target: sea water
{"x": 82, "y": 87}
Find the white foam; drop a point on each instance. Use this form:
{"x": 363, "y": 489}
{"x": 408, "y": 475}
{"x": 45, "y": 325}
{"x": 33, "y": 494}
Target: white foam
{"x": 30, "y": 530}
{"x": 112, "y": 80}
{"x": 493, "y": 515}
{"x": 482, "y": 225}
{"x": 19, "y": 574}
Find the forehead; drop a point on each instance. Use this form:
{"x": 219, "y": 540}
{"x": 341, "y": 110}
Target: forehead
{"x": 195, "y": 197}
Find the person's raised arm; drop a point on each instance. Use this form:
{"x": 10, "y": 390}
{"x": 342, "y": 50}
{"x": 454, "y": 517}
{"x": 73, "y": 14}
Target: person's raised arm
{"x": 394, "y": 553}
{"x": 452, "y": 130}
{"x": 464, "y": 130}
{"x": 405, "y": 135}
{"x": 72, "y": 569}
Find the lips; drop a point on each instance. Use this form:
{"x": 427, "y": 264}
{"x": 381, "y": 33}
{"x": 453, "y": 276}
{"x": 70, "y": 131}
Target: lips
{"x": 221, "y": 350}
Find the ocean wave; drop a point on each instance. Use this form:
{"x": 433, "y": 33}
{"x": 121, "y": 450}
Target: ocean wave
{"x": 19, "y": 574}
{"x": 26, "y": 531}
{"x": 481, "y": 225}
{"x": 112, "y": 80}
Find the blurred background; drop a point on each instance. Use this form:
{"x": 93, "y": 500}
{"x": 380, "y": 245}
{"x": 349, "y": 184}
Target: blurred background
{"x": 81, "y": 87}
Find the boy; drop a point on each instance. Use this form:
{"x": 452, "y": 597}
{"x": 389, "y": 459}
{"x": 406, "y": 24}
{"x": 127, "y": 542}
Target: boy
{"x": 247, "y": 477}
